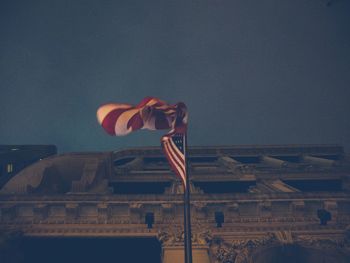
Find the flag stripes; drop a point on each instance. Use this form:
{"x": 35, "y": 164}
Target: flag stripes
{"x": 173, "y": 147}
{"x": 122, "y": 119}
{"x": 152, "y": 114}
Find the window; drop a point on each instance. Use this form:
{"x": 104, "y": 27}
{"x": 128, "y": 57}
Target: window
{"x": 139, "y": 187}
{"x": 225, "y": 187}
{"x": 316, "y": 185}
{"x": 9, "y": 168}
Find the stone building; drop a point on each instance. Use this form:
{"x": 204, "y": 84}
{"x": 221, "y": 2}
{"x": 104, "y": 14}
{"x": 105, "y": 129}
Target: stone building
{"x": 249, "y": 204}
{"x": 14, "y": 158}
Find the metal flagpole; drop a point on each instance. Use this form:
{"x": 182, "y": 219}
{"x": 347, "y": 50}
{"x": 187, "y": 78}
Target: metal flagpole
{"x": 187, "y": 209}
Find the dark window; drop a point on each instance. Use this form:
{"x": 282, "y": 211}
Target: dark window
{"x": 225, "y": 187}
{"x": 123, "y": 161}
{"x": 87, "y": 250}
{"x": 292, "y": 158}
{"x": 316, "y": 185}
{"x": 202, "y": 159}
{"x": 154, "y": 160}
{"x": 246, "y": 159}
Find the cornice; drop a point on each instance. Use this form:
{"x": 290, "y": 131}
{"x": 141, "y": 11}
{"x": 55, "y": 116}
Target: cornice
{"x": 89, "y": 230}
{"x": 244, "y": 248}
{"x": 240, "y": 150}
{"x": 224, "y": 198}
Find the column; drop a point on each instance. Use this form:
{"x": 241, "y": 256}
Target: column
{"x": 173, "y": 247}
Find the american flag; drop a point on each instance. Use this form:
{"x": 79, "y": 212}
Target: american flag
{"x": 174, "y": 148}
{"x": 152, "y": 114}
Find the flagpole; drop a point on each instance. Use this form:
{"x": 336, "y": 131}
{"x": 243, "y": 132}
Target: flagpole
{"x": 187, "y": 210}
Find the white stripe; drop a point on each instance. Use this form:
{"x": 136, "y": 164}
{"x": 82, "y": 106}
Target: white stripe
{"x": 174, "y": 156}
{"x": 180, "y": 168}
{"x": 122, "y": 122}
{"x": 103, "y": 110}
{"x": 152, "y": 102}
{"x": 177, "y": 150}
{"x": 182, "y": 163}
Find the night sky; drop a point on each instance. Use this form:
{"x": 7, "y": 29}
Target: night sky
{"x": 250, "y": 72}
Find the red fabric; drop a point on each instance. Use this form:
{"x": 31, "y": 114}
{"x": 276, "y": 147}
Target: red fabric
{"x": 109, "y": 121}
{"x": 135, "y": 122}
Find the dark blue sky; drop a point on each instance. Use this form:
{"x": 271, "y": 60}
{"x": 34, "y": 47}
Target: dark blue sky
{"x": 251, "y": 72}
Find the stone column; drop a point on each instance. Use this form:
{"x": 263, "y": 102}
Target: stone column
{"x": 175, "y": 254}
{"x": 173, "y": 247}
{"x": 239, "y": 250}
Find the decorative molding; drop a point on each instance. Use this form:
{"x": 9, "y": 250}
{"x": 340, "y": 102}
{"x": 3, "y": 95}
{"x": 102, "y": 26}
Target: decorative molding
{"x": 40, "y": 211}
{"x": 284, "y": 237}
{"x": 243, "y": 250}
{"x": 89, "y": 230}
{"x": 337, "y": 242}
{"x": 103, "y": 211}
{"x": 135, "y": 206}
{"x": 239, "y": 250}
{"x": 174, "y": 236}
{"x": 72, "y": 211}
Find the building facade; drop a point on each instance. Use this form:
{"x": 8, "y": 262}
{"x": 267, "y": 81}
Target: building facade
{"x": 14, "y": 158}
{"x": 249, "y": 204}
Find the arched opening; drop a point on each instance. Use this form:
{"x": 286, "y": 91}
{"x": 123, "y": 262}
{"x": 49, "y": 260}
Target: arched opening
{"x": 298, "y": 254}
{"x": 90, "y": 250}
